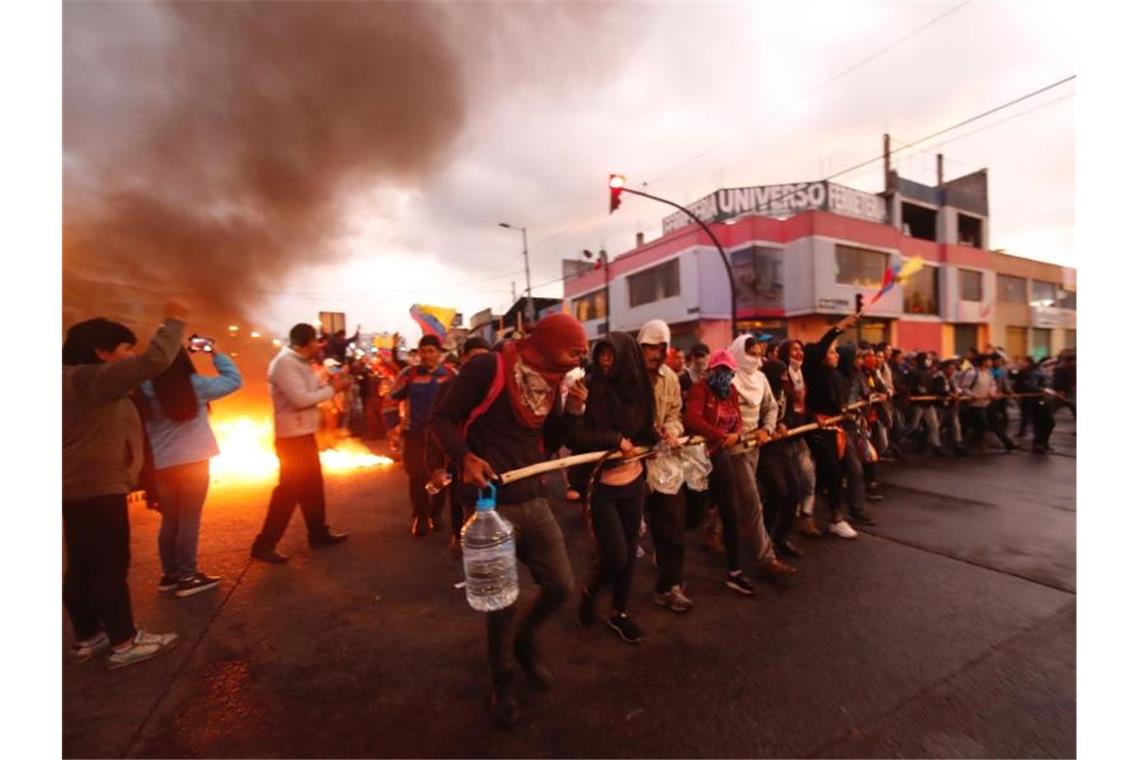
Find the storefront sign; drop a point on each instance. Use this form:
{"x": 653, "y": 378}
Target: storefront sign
{"x": 780, "y": 201}
{"x": 1051, "y": 316}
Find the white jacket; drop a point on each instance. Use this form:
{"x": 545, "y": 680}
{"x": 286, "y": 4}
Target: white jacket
{"x": 296, "y": 393}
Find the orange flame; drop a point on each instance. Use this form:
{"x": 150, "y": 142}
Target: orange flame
{"x": 247, "y": 452}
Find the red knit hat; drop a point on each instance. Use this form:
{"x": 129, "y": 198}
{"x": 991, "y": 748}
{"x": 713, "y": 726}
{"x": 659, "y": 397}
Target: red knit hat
{"x": 553, "y": 333}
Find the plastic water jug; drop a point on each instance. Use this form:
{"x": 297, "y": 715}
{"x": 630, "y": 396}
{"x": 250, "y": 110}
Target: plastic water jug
{"x": 489, "y": 561}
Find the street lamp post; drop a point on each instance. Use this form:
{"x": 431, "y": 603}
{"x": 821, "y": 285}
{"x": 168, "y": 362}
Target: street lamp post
{"x": 617, "y": 187}
{"x": 526, "y": 265}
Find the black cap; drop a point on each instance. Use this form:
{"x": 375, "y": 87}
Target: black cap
{"x": 699, "y": 349}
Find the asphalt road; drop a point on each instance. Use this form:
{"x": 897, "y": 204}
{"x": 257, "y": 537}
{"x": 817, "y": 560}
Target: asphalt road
{"x": 947, "y": 630}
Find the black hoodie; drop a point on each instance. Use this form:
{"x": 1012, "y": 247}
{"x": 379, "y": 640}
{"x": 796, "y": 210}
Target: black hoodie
{"x": 825, "y": 386}
{"x": 619, "y": 405}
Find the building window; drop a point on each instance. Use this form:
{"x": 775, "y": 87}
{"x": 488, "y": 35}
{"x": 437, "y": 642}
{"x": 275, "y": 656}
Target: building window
{"x": 871, "y": 330}
{"x": 1067, "y": 299}
{"x": 590, "y": 306}
{"x": 858, "y": 266}
{"x": 1043, "y": 293}
{"x": 919, "y": 222}
{"x": 920, "y": 292}
{"x": 655, "y": 284}
{"x": 965, "y": 338}
{"x": 1070, "y": 338}
{"x": 1011, "y": 289}
{"x": 969, "y": 230}
{"x": 759, "y": 275}
{"x": 969, "y": 285}
{"x": 1015, "y": 341}
{"x": 1041, "y": 337}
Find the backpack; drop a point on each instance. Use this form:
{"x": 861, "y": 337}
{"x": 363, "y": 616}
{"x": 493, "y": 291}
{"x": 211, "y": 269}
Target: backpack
{"x": 493, "y": 392}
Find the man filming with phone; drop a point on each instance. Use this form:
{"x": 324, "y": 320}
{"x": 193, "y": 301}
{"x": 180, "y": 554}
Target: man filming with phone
{"x": 296, "y": 392}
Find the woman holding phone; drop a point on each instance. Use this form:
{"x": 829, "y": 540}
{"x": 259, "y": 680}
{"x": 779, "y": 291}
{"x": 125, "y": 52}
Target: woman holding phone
{"x": 175, "y": 408}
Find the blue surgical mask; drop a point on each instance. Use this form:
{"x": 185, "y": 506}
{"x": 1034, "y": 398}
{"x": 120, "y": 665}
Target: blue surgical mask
{"x": 720, "y": 380}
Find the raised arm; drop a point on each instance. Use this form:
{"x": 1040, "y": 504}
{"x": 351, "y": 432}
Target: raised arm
{"x": 226, "y": 382}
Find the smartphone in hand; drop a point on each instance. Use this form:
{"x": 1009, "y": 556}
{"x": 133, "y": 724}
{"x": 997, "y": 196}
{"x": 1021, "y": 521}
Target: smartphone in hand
{"x": 199, "y": 343}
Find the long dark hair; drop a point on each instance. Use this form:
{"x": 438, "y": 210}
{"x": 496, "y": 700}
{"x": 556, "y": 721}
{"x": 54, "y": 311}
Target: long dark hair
{"x": 784, "y": 350}
{"x": 175, "y": 391}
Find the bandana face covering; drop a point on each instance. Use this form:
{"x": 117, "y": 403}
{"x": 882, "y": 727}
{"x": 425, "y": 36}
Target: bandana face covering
{"x": 535, "y": 391}
{"x": 720, "y": 381}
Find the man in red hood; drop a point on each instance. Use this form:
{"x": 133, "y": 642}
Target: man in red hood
{"x": 484, "y": 433}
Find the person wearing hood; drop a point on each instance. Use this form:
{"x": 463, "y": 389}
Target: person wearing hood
{"x": 696, "y": 367}
{"x": 620, "y": 415}
{"x": 484, "y": 435}
{"x": 791, "y": 353}
{"x": 712, "y": 411}
{"x": 665, "y": 512}
{"x": 760, "y": 413}
{"x": 826, "y": 397}
{"x": 778, "y": 464}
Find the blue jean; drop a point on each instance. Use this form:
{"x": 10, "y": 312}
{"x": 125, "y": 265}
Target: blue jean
{"x": 181, "y": 494}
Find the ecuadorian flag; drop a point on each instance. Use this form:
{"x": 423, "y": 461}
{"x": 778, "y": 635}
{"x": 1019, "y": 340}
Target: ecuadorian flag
{"x": 897, "y": 273}
{"x": 433, "y": 320}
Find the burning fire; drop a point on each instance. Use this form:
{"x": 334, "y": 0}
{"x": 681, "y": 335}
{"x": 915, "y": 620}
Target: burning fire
{"x": 247, "y": 452}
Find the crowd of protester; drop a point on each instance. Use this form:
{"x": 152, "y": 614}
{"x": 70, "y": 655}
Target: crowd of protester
{"x": 456, "y": 420}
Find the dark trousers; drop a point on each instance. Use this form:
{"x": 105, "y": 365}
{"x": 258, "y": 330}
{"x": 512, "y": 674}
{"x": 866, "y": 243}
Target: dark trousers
{"x": 424, "y": 505}
{"x": 997, "y": 417}
{"x": 854, "y": 489}
{"x": 615, "y": 518}
{"x": 722, "y": 487}
{"x": 829, "y": 471}
{"x": 95, "y": 592}
{"x": 1043, "y": 422}
{"x": 665, "y": 513}
{"x": 975, "y": 424}
{"x": 539, "y": 545}
{"x": 1026, "y": 418}
{"x": 181, "y": 493}
{"x": 299, "y": 482}
{"x": 779, "y": 488}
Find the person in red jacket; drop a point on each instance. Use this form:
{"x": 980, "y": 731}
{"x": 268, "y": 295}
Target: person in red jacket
{"x": 712, "y": 411}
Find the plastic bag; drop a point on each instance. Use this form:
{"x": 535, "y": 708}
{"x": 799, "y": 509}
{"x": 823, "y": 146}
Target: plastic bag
{"x": 696, "y": 466}
{"x": 666, "y": 470}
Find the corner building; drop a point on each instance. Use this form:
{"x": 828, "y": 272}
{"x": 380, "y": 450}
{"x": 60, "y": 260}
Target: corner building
{"x": 800, "y": 253}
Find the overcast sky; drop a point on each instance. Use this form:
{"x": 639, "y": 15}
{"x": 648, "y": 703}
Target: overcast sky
{"x": 689, "y": 98}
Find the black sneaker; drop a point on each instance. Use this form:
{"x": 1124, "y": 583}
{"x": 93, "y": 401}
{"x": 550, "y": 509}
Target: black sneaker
{"x": 167, "y": 583}
{"x": 626, "y": 628}
{"x": 740, "y": 584}
{"x": 199, "y": 583}
{"x": 862, "y": 518}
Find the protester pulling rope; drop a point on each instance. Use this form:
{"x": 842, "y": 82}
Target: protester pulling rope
{"x": 643, "y": 452}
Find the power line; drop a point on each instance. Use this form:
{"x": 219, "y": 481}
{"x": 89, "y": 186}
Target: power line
{"x": 822, "y": 86}
{"x": 1017, "y": 115}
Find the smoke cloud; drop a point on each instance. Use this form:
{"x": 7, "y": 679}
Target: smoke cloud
{"x": 208, "y": 147}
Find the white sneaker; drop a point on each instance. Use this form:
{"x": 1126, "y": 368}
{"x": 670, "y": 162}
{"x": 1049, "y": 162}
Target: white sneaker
{"x": 674, "y": 599}
{"x": 143, "y": 647}
{"x": 842, "y": 529}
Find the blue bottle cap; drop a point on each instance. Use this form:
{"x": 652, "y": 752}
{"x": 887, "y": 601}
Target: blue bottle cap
{"x": 484, "y": 503}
